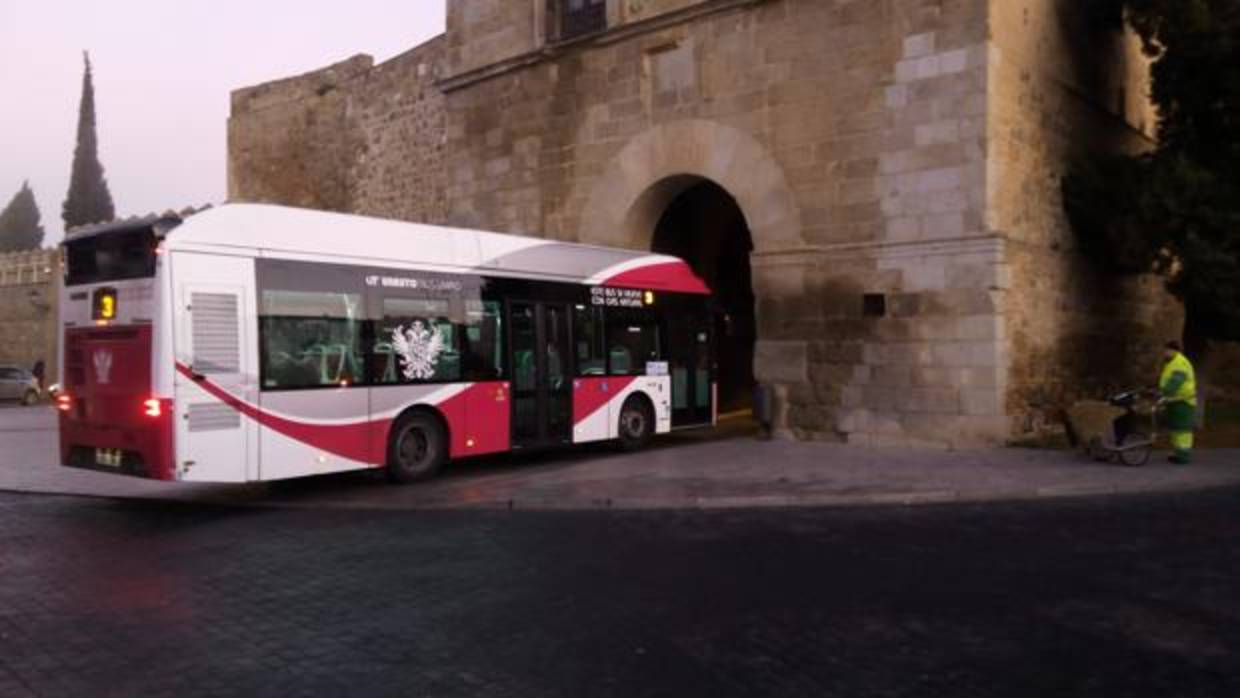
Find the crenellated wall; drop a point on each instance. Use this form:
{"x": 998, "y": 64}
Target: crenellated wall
{"x": 29, "y": 299}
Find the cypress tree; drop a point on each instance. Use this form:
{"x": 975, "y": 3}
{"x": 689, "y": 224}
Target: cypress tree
{"x": 19, "y": 222}
{"x": 89, "y": 200}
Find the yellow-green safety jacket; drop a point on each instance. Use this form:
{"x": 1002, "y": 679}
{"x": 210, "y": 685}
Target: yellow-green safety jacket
{"x": 1179, "y": 381}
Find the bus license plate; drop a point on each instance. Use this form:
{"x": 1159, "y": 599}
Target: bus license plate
{"x": 110, "y": 457}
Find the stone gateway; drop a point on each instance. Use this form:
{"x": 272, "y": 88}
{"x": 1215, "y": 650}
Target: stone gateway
{"x": 871, "y": 187}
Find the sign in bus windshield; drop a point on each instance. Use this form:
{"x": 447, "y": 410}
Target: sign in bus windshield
{"x": 620, "y": 297}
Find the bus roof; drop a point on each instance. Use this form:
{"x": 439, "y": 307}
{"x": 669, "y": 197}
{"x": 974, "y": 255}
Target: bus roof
{"x": 160, "y": 222}
{"x": 278, "y": 231}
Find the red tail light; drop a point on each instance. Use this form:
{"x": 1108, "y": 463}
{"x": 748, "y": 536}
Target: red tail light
{"x": 64, "y": 403}
{"x": 153, "y": 407}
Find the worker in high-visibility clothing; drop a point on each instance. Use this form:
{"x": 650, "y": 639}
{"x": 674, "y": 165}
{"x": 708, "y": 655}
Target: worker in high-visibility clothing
{"x": 1178, "y": 386}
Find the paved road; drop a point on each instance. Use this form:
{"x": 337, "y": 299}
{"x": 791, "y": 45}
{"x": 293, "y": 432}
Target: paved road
{"x": 1081, "y": 597}
{"x": 721, "y": 469}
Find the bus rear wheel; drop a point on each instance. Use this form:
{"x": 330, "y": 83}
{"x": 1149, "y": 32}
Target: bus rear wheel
{"x": 636, "y": 424}
{"x": 418, "y": 448}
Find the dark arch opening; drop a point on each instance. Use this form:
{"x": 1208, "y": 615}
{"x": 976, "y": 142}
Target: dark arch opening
{"x": 705, "y": 226}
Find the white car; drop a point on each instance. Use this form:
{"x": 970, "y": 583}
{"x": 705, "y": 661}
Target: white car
{"x": 19, "y": 384}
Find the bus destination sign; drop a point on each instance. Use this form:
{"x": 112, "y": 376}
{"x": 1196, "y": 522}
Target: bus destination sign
{"x": 620, "y": 297}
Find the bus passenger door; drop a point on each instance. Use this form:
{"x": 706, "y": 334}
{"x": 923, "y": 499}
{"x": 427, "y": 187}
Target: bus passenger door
{"x": 214, "y": 382}
{"x": 540, "y": 356}
{"x": 690, "y": 361}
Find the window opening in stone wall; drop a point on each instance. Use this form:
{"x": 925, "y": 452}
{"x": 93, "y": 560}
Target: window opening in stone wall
{"x": 580, "y": 17}
{"x": 874, "y": 305}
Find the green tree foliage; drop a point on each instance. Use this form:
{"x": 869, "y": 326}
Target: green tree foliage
{"x": 19, "y": 222}
{"x": 89, "y": 200}
{"x": 1176, "y": 209}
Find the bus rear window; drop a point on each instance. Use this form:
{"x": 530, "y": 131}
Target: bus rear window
{"x": 110, "y": 257}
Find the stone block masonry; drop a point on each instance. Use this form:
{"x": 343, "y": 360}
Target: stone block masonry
{"x": 896, "y": 162}
{"x": 29, "y": 302}
{"x": 875, "y": 196}
{"x": 1060, "y": 89}
{"x": 354, "y": 137}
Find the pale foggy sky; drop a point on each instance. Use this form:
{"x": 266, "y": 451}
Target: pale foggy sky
{"x": 163, "y": 72}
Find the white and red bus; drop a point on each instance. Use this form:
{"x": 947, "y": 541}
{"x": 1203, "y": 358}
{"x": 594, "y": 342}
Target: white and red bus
{"x": 252, "y": 342}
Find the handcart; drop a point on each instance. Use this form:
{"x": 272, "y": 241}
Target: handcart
{"x": 1130, "y": 436}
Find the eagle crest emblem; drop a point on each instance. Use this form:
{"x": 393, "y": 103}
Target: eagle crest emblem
{"x": 419, "y": 347}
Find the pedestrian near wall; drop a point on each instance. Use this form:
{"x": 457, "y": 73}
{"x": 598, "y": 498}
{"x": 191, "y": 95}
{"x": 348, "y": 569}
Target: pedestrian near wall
{"x": 1178, "y": 385}
{"x": 38, "y": 372}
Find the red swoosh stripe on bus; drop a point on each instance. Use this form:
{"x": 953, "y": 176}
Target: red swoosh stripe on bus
{"x": 669, "y": 276}
{"x": 350, "y": 441}
{"x": 591, "y": 398}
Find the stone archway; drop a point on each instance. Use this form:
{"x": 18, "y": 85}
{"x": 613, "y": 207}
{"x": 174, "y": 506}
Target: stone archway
{"x": 704, "y": 225}
{"x": 683, "y": 178}
{"x": 624, "y": 204}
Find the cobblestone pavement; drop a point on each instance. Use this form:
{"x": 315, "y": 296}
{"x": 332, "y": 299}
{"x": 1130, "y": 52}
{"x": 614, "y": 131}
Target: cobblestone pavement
{"x": 713, "y": 469}
{"x": 1132, "y": 596}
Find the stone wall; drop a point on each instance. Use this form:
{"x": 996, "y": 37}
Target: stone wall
{"x": 485, "y": 32}
{"x": 851, "y": 135}
{"x": 29, "y": 301}
{"x": 291, "y": 141}
{"x": 1221, "y": 376}
{"x": 398, "y": 170}
{"x": 637, "y": 10}
{"x": 351, "y": 137}
{"x": 1057, "y": 86}
{"x": 908, "y": 151}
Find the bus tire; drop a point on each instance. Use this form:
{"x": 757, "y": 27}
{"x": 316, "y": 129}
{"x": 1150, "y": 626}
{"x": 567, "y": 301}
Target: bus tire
{"x": 417, "y": 449}
{"x": 636, "y": 423}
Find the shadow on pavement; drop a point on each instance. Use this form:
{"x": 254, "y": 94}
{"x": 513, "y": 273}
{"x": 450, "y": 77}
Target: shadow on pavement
{"x": 506, "y": 465}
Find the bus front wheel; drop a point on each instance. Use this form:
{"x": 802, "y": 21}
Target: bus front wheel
{"x": 636, "y": 423}
{"x": 418, "y": 448}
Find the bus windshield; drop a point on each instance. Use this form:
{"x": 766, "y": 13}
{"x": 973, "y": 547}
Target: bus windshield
{"x": 115, "y": 256}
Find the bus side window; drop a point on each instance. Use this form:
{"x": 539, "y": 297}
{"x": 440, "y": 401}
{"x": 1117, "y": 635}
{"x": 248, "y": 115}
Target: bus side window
{"x": 588, "y": 340}
{"x": 415, "y": 342}
{"x": 632, "y": 340}
{"x": 482, "y": 346}
{"x": 310, "y": 339}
